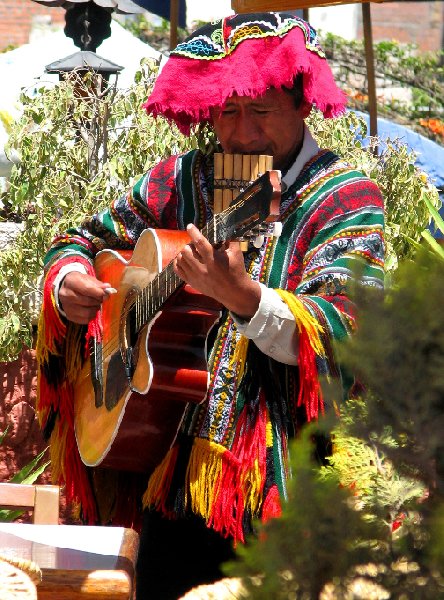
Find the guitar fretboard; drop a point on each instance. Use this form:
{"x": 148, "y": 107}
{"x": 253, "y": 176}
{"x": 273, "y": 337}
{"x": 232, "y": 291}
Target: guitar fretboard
{"x": 150, "y": 299}
{"x": 251, "y": 208}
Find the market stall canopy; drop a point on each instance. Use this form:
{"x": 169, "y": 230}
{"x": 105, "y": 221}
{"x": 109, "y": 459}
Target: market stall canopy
{"x": 166, "y": 9}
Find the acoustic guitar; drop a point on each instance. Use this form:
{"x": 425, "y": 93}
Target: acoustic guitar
{"x": 132, "y": 391}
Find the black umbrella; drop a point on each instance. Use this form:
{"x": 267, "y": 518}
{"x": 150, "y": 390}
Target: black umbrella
{"x": 88, "y": 22}
{"x": 119, "y": 6}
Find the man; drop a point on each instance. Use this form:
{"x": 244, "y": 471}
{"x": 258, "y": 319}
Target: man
{"x": 255, "y": 78}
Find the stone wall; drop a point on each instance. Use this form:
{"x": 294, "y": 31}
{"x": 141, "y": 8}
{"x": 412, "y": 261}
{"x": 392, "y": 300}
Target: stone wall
{"x": 24, "y": 440}
{"x": 17, "y": 414}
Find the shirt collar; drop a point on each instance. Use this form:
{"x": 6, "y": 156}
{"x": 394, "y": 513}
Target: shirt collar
{"x": 309, "y": 149}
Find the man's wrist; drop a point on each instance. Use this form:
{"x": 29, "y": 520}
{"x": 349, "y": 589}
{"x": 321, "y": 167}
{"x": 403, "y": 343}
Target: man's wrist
{"x": 58, "y": 281}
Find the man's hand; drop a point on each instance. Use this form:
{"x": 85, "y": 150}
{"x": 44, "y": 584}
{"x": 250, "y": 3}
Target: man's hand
{"x": 219, "y": 273}
{"x": 81, "y": 296}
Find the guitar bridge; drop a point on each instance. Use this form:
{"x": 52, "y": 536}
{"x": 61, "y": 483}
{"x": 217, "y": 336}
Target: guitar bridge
{"x": 129, "y": 364}
{"x": 129, "y": 336}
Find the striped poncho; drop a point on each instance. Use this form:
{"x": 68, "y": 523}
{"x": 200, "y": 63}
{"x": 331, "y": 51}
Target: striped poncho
{"x": 229, "y": 461}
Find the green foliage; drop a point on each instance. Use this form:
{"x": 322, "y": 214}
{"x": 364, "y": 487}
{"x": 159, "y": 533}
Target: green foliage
{"x": 402, "y": 340}
{"x": 157, "y": 36}
{"x": 396, "y": 64}
{"x": 379, "y": 534}
{"x": 398, "y": 352}
{"x": 6, "y": 120}
{"x": 315, "y": 541}
{"x": 79, "y": 147}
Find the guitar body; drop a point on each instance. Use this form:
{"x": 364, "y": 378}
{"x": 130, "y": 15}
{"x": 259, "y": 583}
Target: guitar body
{"x": 130, "y": 422}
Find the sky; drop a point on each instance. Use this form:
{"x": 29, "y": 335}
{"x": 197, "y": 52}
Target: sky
{"x": 205, "y": 10}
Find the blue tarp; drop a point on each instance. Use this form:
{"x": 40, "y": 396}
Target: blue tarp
{"x": 430, "y": 154}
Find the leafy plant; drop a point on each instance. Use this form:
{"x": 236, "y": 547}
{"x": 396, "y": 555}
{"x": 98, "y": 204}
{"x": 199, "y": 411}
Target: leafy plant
{"x": 80, "y": 146}
{"x": 421, "y": 74}
{"x": 27, "y": 474}
{"x": 298, "y": 554}
{"x": 379, "y": 533}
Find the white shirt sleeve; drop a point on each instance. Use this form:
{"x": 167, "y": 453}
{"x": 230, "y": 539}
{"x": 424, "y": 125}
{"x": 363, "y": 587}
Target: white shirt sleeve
{"x": 272, "y": 328}
{"x": 69, "y": 268}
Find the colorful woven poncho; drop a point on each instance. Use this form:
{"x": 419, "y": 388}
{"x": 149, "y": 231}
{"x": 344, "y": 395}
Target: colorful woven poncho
{"x": 229, "y": 462}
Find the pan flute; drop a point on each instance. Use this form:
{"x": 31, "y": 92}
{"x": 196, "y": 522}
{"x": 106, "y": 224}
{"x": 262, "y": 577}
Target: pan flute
{"x": 232, "y": 174}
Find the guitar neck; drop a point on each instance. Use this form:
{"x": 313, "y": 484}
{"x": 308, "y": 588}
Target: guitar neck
{"x": 152, "y": 297}
{"x": 250, "y": 208}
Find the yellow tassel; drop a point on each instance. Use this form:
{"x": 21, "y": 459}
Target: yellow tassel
{"x": 57, "y": 451}
{"x": 269, "y": 434}
{"x": 203, "y": 471}
{"x": 304, "y": 320}
{"x": 253, "y": 487}
{"x": 73, "y": 346}
{"x": 239, "y": 357}
{"x": 156, "y": 481}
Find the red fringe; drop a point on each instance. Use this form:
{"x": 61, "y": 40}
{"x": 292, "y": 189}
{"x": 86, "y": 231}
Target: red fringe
{"x": 272, "y": 508}
{"x": 52, "y": 337}
{"x": 243, "y": 475}
{"x": 310, "y": 392}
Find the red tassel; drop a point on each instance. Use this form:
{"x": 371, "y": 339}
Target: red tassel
{"x": 310, "y": 392}
{"x": 52, "y": 341}
{"x": 272, "y": 505}
{"x": 243, "y": 475}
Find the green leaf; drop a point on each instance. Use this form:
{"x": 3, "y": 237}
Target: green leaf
{"x": 30, "y": 472}
{"x": 437, "y": 248}
{"x": 434, "y": 213}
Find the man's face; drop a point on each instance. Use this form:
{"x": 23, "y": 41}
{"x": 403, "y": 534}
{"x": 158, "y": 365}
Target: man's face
{"x": 269, "y": 124}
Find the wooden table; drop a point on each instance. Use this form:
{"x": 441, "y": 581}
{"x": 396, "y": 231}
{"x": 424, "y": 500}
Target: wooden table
{"x": 77, "y": 562}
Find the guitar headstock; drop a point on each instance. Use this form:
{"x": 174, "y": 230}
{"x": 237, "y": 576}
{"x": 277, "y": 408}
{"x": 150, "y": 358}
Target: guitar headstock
{"x": 256, "y": 205}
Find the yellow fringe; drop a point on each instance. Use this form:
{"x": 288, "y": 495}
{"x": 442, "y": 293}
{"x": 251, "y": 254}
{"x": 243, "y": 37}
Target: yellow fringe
{"x": 304, "y": 320}
{"x": 156, "y": 481}
{"x": 57, "y": 450}
{"x": 269, "y": 434}
{"x": 203, "y": 472}
{"x": 73, "y": 351}
{"x": 253, "y": 488}
{"x": 202, "y": 478}
{"x": 239, "y": 357}
{"x": 43, "y": 347}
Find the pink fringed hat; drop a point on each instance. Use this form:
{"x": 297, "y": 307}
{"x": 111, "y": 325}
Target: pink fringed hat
{"x": 244, "y": 55}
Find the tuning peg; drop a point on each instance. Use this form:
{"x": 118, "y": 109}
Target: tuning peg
{"x": 258, "y": 241}
{"x": 277, "y": 229}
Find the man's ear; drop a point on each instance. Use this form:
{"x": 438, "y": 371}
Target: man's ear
{"x": 305, "y": 108}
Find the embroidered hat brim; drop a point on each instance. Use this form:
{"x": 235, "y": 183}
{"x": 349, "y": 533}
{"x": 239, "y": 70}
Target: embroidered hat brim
{"x": 244, "y": 55}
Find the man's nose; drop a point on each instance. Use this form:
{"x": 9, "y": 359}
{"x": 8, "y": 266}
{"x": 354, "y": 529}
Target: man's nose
{"x": 246, "y": 133}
